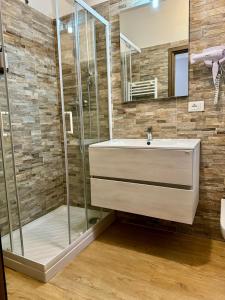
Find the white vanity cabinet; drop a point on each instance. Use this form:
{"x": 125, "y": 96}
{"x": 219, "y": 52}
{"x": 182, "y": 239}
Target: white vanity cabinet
{"x": 160, "y": 180}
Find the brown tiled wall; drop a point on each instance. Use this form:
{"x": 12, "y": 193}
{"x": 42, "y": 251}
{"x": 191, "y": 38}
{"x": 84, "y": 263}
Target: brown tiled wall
{"x": 170, "y": 118}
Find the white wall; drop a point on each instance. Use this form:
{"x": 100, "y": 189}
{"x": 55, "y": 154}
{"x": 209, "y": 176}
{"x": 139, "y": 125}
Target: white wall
{"x": 47, "y": 7}
{"x": 146, "y": 26}
{"x": 44, "y": 6}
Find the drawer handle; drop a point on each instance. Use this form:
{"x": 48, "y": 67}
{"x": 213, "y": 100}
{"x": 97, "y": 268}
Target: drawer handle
{"x": 187, "y": 152}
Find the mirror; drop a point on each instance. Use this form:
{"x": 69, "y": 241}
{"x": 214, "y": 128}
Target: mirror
{"x": 154, "y": 39}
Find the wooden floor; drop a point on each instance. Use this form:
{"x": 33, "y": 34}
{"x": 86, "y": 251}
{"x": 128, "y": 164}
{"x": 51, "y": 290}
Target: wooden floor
{"x": 129, "y": 262}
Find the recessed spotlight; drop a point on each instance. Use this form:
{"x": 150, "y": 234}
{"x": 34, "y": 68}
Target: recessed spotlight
{"x": 155, "y": 3}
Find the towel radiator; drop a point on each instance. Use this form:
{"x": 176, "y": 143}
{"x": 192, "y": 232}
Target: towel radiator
{"x": 143, "y": 88}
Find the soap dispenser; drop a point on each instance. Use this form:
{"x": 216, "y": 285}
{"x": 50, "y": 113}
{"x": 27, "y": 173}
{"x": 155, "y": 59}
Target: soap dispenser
{"x": 2, "y": 62}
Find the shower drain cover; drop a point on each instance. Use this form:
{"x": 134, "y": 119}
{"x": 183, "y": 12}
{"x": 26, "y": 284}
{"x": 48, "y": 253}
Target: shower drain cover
{"x": 94, "y": 220}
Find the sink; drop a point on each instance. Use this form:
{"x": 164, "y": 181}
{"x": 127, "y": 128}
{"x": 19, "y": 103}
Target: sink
{"x": 183, "y": 144}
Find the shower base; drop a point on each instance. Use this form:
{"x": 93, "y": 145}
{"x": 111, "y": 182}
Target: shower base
{"x": 46, "y": 241}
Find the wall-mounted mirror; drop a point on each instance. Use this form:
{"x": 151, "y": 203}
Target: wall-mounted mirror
{"x": 154, "y": 39}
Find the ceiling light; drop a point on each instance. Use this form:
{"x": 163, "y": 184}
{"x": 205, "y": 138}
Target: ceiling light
{"x": 155, "y": 3}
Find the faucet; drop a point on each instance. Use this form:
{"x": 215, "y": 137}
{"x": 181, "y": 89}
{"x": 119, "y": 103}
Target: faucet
{"x": 149, "y": 135}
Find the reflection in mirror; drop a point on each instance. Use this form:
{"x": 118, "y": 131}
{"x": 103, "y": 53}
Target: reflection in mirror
{"x": 154, "y": 49}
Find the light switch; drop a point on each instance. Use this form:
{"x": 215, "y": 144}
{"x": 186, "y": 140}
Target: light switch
{"x": 196, "y": 106}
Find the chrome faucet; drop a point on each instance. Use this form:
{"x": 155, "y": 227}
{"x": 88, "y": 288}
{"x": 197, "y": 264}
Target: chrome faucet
{"x": 149, "y": 135}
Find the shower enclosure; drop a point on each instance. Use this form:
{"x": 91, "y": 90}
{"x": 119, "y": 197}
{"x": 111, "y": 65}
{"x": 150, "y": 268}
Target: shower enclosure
{"x": 54, "y": 102}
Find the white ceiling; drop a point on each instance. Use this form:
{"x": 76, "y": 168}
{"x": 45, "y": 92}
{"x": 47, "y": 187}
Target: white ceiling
{"x": 47, "y": 7}
{"x": 146, "y": 26}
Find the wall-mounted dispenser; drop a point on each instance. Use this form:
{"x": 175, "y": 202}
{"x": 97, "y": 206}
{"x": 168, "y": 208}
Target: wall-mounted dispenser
{"x": 2, "y": 62}
{"x": 214, "y": 58}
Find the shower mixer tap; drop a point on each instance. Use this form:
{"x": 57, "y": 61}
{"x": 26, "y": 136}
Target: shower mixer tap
{"x": 90, "y": 77}
{"x": 149, "y": 136}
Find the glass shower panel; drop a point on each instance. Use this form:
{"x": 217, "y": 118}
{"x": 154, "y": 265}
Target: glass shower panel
{"x": 89, "y": 76}
{"x": 85, "y": 105}
{"x": 74, "y": 179}
{"x": 92, "y": 60}
{"x": 88, "y": 95}
{"x": 10, "y": 221}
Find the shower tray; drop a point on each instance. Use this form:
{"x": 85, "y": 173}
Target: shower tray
{"x": 47, "y": 249}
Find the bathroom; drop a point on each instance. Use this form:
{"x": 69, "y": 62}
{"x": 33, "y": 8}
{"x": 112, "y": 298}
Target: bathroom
{"x": 112, "y": 169}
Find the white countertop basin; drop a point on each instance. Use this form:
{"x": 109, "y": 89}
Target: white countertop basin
{"x": 179, "y": 144}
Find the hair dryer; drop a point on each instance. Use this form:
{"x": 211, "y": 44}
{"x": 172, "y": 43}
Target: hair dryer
{"x": 214, "y": 58}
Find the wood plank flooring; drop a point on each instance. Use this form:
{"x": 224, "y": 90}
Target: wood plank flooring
{"x": 133, "y": 263}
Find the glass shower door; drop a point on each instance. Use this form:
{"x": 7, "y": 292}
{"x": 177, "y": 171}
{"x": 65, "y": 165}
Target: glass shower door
{"x": 71, "y": 122}
{"x": 85, "y": 108}
{"x": 88, "y": 97}
{"x": 10, "y": 222}
{"x": 93, "y": 95}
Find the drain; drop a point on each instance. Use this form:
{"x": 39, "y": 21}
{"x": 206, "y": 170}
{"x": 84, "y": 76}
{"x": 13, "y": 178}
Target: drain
{"x": 93, "y": 221}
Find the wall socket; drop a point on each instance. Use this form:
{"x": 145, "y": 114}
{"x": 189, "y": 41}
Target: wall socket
{"x": 196, "y": 106}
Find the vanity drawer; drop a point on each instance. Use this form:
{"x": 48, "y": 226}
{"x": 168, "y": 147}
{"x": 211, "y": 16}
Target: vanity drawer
{"x": 160, "y": 202}
{"x": 152, "y": 165}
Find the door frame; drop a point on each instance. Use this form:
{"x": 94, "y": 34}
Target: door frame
{"x": 172, "y": 52}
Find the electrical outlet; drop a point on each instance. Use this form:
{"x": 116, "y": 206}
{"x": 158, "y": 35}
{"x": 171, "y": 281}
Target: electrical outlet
{"x": 196, "y": 106}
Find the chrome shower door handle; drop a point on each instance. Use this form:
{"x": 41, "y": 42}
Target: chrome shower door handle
{"x": 70, "y": 114}
{"x": 4, "y": 113}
